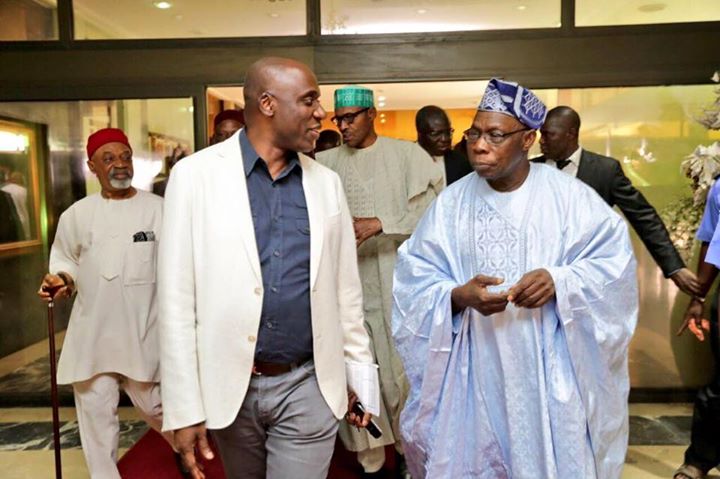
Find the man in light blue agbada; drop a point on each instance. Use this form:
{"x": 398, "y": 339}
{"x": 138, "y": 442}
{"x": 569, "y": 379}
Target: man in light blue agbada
{"x": 514, "y": 303}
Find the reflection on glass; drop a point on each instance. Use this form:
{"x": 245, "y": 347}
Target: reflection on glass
{"x": 110, "y": 19}
{"x": 343, "y": 17}
{"x": 19, "y": 216}
{"x": 622, "y": 12}
{"x": 28, "y": 20}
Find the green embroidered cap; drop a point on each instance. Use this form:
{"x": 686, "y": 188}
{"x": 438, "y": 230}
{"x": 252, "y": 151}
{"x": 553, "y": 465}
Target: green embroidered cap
{"x": 353, "y": 95}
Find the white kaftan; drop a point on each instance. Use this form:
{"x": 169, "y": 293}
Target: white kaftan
{"x": 109, "y": 248}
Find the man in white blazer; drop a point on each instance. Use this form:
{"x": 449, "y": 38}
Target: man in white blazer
{"x": 260, "y": 298}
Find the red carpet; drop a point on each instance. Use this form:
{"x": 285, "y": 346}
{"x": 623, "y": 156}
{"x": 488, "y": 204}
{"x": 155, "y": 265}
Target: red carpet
{"x": 152, "y": 457}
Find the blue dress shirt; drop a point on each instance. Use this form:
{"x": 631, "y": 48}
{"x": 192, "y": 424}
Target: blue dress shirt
{"x": 710, "y": 215}
{"x": 282, "y": 233}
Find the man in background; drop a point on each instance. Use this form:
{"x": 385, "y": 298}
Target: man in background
{"x": 389, "y": 183}
{"x": 560, "y": 147}
{"x": 327, "y": 140}
{"x": 225, "y": 124}
{"x": 160, "y": 182}
{"x": 434, "y": 134}
{"x": 13, "y": 183}
{"x": 10, "y": 226}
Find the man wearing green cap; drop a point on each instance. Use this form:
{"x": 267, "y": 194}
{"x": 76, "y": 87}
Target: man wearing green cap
{"x": 388, "y": 183}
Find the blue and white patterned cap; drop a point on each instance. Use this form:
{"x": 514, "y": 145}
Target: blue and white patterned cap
{"x": 514, "y": 100}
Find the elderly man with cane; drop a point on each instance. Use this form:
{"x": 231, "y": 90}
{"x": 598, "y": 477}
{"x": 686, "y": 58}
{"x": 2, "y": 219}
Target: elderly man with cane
{"x": 104, "y": 253}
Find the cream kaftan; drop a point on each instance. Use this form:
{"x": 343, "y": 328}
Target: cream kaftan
{"x": 395, "y": 181}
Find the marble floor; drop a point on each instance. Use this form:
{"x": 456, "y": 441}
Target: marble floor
{"x": 659, "y": 433}
{"x": 26, "y": 449}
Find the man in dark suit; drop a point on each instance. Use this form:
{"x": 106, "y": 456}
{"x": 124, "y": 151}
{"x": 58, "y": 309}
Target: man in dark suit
{"x": 434, "y": 134}
{"x": 560, "y": 148}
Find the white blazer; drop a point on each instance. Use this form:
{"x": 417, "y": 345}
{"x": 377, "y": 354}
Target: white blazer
{"x": 210, "y": 288}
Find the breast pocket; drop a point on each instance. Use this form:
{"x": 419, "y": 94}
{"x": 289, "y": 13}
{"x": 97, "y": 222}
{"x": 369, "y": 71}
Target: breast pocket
{"x": 140, "y": 264}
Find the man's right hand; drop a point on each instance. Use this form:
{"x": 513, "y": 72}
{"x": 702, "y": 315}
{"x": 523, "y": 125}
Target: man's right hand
{"x": 686, "y": 281}
{"x": 53, "y": 287}
{"x": 474, "y": 294}
{"x": 694, "y": 320}
{"x": 186, "y": 439}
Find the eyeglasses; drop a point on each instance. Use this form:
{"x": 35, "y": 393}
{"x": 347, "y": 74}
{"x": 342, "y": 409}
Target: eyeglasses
{"x": 348, "y": 118}
{"x": 493, "y": 137}
{"x": 437, "y": 134}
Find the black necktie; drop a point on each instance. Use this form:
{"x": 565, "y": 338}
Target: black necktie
{"x": 562, "y": 164}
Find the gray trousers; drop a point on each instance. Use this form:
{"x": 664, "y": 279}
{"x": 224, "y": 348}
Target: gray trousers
{"x": 284, "y": 429}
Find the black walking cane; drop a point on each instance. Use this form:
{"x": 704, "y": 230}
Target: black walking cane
{"x": 53, "y": 380}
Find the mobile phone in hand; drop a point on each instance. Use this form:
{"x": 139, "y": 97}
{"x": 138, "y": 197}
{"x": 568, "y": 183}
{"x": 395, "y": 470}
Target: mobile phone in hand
{"x": 372, "y": 428}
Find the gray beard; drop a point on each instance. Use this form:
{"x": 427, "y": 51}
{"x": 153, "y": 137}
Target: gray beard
{"x": 121, "y": 184}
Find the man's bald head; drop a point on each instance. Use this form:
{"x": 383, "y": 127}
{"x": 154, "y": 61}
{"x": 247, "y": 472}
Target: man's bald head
{"x": 427, "y": 114}
{"x": 282, "y": 104}
{"x": 560, "y": 133}
{"x": 265, "y": 74}
{"x": 434, "y": 132}
{"x": 566, "y": 115}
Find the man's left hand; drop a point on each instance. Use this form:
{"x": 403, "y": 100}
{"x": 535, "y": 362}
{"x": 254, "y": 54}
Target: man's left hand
{"x": 352, "y": 418}
{"x": 687, "y": 282}
{"x": 533, "y": 290}
{"x": 366, "y": 228}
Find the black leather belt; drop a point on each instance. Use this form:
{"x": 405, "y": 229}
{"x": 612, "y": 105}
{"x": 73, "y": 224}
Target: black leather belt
{"x": 262, "y": 368}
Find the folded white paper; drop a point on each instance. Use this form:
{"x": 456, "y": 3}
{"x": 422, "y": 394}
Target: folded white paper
{"x": 362, "y": 379}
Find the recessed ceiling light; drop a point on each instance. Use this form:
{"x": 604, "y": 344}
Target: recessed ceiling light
{"x": 381, "y": 98}
{"x": 381, "y": 104}
{"x": 422, "y": 11}
{"x": 274, "y": 15}
{"x": 652, "y": 7}
{"x": 522, "y": 7}
{"x": 162, "y": 5}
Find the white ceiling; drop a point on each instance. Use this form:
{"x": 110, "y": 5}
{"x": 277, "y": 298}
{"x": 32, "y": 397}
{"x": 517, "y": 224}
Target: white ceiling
{"x": 634, "y": 12}
{"x": 216, "y": 18}
{"x": 393, "y": 16}
{"x": 188, "y": 18}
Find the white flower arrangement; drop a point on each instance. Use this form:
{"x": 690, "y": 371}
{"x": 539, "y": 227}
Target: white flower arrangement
{"x": 711, "y": 117}
{"x": 702, "y": 166}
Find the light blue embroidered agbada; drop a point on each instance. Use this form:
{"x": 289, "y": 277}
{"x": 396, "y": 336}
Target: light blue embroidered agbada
{"x": 526, "y": 393}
